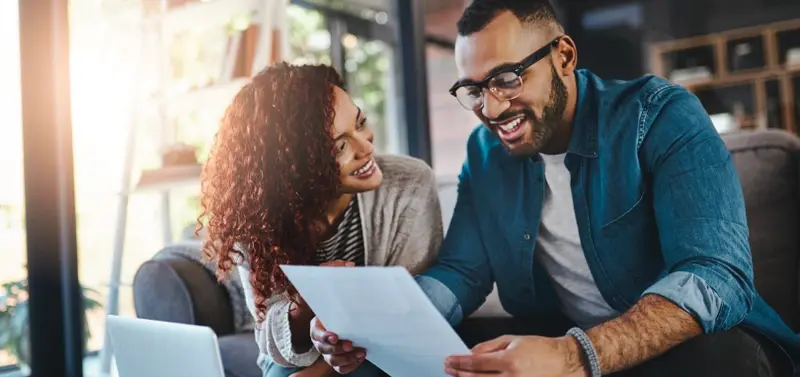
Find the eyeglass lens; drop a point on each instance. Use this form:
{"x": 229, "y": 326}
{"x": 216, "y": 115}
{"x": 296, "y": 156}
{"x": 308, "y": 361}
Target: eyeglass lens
{"x": 505, "y": 86}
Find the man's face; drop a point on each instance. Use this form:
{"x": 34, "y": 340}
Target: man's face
{"x": 524, "y": 124}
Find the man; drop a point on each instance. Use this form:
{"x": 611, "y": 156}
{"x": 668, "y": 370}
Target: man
{"x": 614, "y": 206}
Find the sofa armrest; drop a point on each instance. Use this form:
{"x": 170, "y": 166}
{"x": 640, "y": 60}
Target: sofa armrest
{"x": 768, "y": 163}
{"x": 173, "y": 288}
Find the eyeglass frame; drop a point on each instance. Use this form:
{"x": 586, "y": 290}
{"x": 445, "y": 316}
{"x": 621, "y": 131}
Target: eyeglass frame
{"x": 517, "y": 69}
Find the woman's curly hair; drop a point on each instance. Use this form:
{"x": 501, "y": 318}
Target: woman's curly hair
{"x": 270, "y": 176}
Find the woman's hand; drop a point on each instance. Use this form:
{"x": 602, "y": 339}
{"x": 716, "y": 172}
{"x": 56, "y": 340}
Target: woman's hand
{"x": 300, "y": 314}
{"x": 338, "y": 263}
{"x": 340, "y": 354}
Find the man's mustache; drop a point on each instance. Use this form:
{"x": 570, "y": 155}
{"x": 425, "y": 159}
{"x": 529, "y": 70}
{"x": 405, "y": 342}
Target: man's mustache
{"x": 508, "y": 115}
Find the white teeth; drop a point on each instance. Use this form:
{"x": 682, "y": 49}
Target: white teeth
{"x": 511, "y": 126}
{"x": 364, "y": 168}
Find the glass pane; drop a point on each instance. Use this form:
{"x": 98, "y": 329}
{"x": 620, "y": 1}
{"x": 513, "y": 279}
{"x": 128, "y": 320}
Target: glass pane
{"x": 363, "y": 9}
{"x": 147, "y": 97}
{"x": 13, "y": 284}
{"x": 370, "y": 82}
{"x": 105, "y": 57}
{"x": 309, "y": 38}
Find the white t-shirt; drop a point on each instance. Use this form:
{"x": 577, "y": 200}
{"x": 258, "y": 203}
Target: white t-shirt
{"x": 558, "y": 249}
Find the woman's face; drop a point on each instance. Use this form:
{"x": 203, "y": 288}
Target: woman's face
{"x": 354, "y": 150}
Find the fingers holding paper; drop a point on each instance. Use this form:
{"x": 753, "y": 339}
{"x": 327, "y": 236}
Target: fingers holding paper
{"x": 326, "y": 342}
{"x": 518, "y": 356}
{"x": 338, "y": 263}
{"x": 339, "y": 353}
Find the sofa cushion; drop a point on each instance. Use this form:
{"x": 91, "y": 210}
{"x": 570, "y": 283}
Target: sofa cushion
{"x": 173, "y": 288}
{"x": 767, "y": 162}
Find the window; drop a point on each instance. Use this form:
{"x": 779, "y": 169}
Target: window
{"x": 140, "y": 91}
{"x": 370, "y": 81}
{"x": 13, "y": 306}
{"x": 310, "y": 40}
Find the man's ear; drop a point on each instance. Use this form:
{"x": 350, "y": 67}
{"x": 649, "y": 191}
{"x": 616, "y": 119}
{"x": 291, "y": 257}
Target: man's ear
{"x": 567, "y": 54}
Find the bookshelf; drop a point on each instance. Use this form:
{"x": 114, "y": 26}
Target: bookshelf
{"x": 751, "y": 73}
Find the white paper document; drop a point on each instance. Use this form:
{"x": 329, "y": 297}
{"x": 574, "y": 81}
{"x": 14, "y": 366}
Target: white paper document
{"x": 383, "y": 310}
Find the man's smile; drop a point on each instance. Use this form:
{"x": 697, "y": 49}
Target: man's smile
{"x": 511, "y": 129}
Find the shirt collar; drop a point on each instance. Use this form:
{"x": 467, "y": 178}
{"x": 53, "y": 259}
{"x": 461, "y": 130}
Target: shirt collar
{"x": 583, "y": 141}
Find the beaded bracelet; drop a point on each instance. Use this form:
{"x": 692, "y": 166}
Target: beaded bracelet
{"x": 588, "y": 350}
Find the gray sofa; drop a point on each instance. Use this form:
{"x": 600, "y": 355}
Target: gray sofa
{"x": 173, "y": 287}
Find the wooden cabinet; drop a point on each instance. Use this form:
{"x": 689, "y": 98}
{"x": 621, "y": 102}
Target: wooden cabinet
{"x": 752, "y": 73}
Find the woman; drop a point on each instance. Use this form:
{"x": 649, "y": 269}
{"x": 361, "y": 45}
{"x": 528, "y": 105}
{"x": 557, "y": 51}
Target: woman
{"x": 293, "y": 179}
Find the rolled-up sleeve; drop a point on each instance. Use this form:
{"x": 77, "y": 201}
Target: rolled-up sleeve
{"x": 462, "y": 265}
{"x": 273, "y": 335}
{"x": 700, "y": 211}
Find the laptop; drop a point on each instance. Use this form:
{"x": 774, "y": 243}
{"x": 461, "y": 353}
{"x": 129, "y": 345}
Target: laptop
{"x": 163, "y": 349}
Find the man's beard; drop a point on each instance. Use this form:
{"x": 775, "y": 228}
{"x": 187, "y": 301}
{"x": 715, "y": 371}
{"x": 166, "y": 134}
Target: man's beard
{"x": 544, "y": 126}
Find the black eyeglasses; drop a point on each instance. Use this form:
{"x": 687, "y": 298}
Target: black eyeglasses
{"x": 506, "y": 84}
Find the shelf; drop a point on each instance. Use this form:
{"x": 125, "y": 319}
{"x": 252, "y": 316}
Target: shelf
{"x": 746, "y": 54}
{"x": 733, "y": 79}
{"x": 792, "y": 68}
{"x": 694, "y": 63}
{"x": 759, "y": 51}
{"x": 727, "y": 99}
{"x": 748, "y": 70}
{"x": 169, "y": 177}
{"x": 794, "y": 106}
{"x": 774, "y": 106}
{"x": 787, "y": 40}
{"x": 751, "y": 31}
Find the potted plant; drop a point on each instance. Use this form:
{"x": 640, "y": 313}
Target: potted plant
{"x": 14, "y": 321}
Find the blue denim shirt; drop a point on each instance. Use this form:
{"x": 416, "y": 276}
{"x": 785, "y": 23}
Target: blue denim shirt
{"x": 658, "y": 203}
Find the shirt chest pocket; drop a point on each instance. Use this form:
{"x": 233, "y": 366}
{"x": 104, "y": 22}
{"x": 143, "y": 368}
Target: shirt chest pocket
{"x": 629, "y": 244}
{"x": 623, "y": 212}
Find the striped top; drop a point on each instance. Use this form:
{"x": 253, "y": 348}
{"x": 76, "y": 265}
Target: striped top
{"x": 402, "y": 226}
{"x": 347, "y": 243}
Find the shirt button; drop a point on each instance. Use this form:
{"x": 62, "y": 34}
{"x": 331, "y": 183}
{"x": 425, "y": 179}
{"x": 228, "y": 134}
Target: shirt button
{"x": 526, "y": 236}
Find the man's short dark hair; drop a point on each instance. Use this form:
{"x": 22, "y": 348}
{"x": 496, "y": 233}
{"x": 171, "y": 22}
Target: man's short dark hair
{"x": 481, "y": 12}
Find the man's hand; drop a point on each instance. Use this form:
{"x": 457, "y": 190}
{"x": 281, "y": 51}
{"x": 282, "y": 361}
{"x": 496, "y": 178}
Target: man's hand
{"x": 340, "y": 354}
{"x": 521, "y": 356}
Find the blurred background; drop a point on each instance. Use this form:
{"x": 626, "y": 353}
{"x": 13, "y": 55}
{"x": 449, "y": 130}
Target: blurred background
{"x": 149, "y": 80}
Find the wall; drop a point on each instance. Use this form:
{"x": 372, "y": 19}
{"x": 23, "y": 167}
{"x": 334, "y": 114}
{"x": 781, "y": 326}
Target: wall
{"x": 721, "y": 15}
